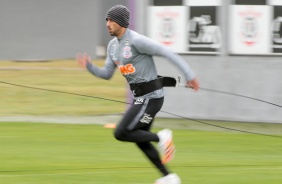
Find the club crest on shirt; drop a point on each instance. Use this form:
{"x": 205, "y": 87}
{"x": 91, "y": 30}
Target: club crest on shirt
{"x": 127, "y": 52}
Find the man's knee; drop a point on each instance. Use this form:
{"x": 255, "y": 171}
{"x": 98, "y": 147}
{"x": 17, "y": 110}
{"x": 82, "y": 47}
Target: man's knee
{"x": 120, "y": 135}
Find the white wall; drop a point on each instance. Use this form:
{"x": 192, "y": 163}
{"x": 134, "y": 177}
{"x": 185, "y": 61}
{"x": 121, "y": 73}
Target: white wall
{"x": 253, "y": 76}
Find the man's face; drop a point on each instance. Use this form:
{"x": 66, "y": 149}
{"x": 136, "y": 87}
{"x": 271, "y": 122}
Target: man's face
{"x": 113, "y": 28}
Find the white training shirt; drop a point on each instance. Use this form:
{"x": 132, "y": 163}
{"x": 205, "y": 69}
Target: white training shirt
{"x": 133, "y": 55}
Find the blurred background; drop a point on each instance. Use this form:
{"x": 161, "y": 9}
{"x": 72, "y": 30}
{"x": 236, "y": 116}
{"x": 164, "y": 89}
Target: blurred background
{"x": 234, "y": 46}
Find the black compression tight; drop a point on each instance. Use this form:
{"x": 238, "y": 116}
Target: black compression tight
{"x": 150, "y": 151}
{"x": 135, "y": 127}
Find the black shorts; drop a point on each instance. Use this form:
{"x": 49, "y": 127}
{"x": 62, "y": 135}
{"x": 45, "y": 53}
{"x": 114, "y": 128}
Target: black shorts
{"x": 141, "y": 114}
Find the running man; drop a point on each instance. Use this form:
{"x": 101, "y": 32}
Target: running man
{"x": 133, "y": 54}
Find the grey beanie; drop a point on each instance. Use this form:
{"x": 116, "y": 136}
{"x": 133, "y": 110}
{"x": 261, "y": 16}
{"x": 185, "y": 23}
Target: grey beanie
{"x": 120, "y": 14}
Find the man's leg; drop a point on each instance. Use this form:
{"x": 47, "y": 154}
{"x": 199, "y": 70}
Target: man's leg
{"x": 150, "y": 151}
{"x": 137, "y": 121}
{"x": 135, "y": 127}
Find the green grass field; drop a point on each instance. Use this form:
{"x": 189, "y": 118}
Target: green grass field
{"x": 64, "y": 76}
{"x": 33, "y": 153}
{"x": 42, "y": 153}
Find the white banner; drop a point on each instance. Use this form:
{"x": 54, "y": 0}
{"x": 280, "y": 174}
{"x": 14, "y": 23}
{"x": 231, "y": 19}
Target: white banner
{"x": 275, "y": 2}
{"x": 250, "y": 29}
{"x": 168, "y": 25}
{"x": 202, "y": 2}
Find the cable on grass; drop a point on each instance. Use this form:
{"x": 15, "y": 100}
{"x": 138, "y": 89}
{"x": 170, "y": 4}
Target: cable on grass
{"x": 198, "y": 121}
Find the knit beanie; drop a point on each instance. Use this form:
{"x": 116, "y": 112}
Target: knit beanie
{"x": 120, "y": 14}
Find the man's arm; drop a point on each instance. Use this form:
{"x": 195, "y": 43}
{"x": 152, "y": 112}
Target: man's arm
{"x": 105, "y": 72}
{"x": 148, "y": 46}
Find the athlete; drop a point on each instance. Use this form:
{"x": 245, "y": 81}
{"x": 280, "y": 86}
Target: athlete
{"x": 133, "y": 54}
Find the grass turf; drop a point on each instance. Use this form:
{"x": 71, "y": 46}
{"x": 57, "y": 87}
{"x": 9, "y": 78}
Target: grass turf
{"x": 41, "y": 153}
{"x": 62, "y": 75}
{"x": 33, "y": 153}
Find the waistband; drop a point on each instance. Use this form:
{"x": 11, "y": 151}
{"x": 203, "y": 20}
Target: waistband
{"x": 140, "y": 89}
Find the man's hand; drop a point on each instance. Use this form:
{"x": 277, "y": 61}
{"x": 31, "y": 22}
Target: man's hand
{"x": 83, "y": 59}
{"x": 194, "y": 84}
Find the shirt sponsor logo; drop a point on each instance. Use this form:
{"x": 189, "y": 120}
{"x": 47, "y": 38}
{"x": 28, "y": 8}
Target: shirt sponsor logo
{"x": 127, "y": 52}
{"x": 113, "y": 57}
{"x": 127, "y": 43}
{"x": 126, "y": 69}
{"x": 113, "y": 53}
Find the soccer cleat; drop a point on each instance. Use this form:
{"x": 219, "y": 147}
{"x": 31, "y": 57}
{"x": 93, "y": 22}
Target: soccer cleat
{"x": 169, "y": 179}
{"x": 166, "y": 146}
